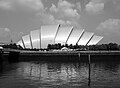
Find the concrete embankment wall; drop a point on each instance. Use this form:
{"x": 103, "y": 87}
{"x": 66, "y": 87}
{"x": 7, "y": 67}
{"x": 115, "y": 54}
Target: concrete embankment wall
{"x": 62, "y": 56}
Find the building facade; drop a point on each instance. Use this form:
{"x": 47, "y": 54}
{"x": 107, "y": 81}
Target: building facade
{"x": 53, "y": 34}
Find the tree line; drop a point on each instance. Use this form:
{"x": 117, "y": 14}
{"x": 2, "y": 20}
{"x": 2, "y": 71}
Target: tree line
{"x": 107, "y": 47}
{"x": 110, "y": 46}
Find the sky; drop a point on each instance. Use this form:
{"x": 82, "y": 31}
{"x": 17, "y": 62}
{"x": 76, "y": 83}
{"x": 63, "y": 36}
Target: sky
{"x": 19, "y": 17}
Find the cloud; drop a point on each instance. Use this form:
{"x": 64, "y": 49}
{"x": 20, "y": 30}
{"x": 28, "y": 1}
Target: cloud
{"x": 110, "y": 25}
{"x": 47, "y": 18}
{"x": 6, "y": 35}
{"x": 58, "y": 21}
{"x": 117, "y": 4}
{"x": 7, "y": 29}
{"x": 53, "y": 8}
{"x": 66, "y": 13}
{"x": 95, "y": 6}
{"x": 5, "y": 4}
{"x": 78, "y": 6}
{"x": 64, "y": 8}
{"x": 16, "y": 35}
{"x": 33, "y": 4}
{"x": 4, "y": 32}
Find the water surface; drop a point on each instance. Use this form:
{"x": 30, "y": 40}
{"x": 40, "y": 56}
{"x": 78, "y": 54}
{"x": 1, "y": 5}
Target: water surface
{"x": 39, "y": 74}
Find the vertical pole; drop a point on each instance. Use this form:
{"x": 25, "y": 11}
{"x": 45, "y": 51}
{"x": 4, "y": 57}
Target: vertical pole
{"x": 37, "y": 44}
{"x": 40, "y": 71}
{"x": 31, "y": 70}
{"x": 89, "y": 77}
{"x": 1, "y": 60}
{"x": 79, "y": 55}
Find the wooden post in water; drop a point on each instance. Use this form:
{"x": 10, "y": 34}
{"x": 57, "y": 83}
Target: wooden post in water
{"x": 89, "y": 75}
{"x": 1, "y": 59}
{"x": 40, "y": 71}
{"x": 31, "y": 70}
{"x": 79, "y": 56}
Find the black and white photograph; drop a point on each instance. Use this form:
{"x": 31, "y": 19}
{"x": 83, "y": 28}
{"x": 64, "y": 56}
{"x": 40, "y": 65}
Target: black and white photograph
{"x": 59, "y": 43}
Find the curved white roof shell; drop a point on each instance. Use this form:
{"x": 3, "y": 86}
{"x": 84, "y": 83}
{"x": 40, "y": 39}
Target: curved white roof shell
{"x": 63, "y": 35}
{"x": 48, "y": 34}
{"x": 95, "y": 39}
{"x": 27, "y": 41}
{"x": 51, "y": 34}
{"x": 85, "y": 38}
{"x": 75, "y": 35}
{"x": 35, "y": 39}
{"x": 21, "y": 43}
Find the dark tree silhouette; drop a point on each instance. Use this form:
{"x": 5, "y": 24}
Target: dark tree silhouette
{"x": 107, "y": 47}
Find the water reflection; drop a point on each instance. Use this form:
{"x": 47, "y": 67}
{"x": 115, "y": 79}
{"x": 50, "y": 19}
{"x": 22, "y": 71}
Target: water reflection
{"x": 105, "y": 74}
{"x": 61, "y": 75}
{"x": 55, "y": 73}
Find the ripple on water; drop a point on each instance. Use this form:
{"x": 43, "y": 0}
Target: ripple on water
{"x": 60, "y": 75}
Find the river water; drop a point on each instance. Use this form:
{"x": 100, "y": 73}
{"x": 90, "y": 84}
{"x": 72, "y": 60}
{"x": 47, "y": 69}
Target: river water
{"x": 39, "y": 74}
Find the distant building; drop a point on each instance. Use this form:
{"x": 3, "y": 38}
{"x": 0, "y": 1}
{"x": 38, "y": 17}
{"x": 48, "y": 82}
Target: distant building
{"x": 52, "y": 34}
{"x": 2, "y": 44}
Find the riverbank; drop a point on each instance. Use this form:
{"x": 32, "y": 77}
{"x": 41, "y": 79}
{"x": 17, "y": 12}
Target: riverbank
{"x": 27, "y": 52}
{"x": 67, "y": 56}
{"x": 69, "y": 52}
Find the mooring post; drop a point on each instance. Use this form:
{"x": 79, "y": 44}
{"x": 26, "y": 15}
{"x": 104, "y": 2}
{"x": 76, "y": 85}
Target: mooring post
{"x": 89, "y": 75}
{"x": 79, "y": 55}
{"x": 31, "y": 70}
{"x": 40, "y": 71}
{"x": 1, "y": 59}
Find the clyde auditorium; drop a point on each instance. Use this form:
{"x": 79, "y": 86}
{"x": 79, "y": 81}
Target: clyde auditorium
{"x": 53, "y": 34}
